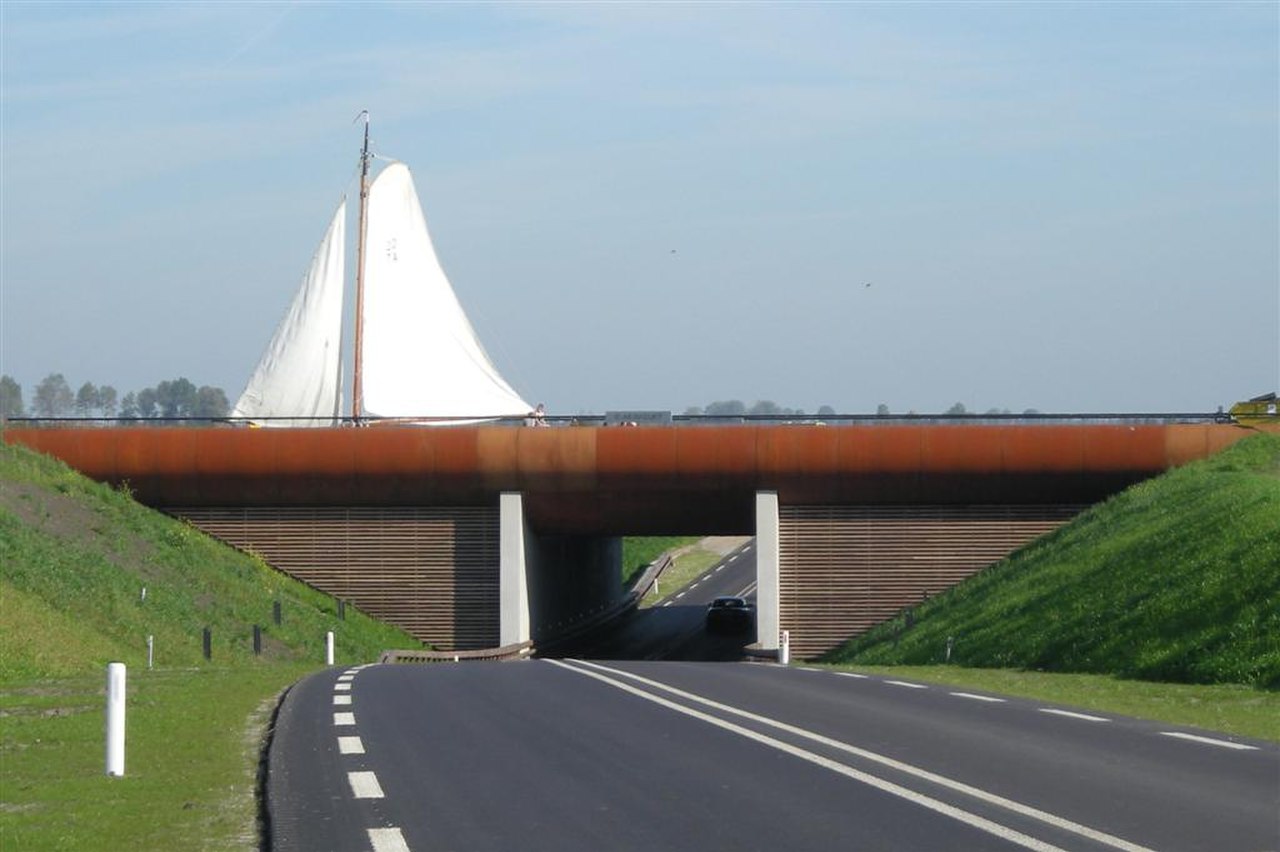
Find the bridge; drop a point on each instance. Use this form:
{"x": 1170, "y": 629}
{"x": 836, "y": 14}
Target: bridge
{"x": 475, "y": 536}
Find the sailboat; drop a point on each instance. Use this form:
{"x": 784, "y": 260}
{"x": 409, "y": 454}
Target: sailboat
{"x": 417, "y": 358}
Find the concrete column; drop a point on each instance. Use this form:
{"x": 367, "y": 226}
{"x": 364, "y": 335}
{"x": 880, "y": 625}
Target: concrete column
{"x": 513, "y": 583}
{"x": 768, "y": 620}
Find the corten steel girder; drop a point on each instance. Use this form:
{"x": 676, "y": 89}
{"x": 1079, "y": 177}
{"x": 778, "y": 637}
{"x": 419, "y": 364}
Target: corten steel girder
{"x": 592, "y": 480}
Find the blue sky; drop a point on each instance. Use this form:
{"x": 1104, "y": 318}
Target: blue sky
{"x": 1067, "y": 207}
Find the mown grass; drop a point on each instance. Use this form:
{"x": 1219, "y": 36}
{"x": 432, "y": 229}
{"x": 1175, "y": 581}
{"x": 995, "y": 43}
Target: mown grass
{"x": 639, "y": 551}
{"x": 685, "y": 568}
{"x": 74, "y": 558}
{"x": 1228, "y": 708}
{"x": 1176, "y": 579}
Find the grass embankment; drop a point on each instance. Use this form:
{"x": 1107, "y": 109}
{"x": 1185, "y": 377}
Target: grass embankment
{"x": 1176, "y": 579}
{"x": 639, "y": 551}
{"x": 74, "y": 558}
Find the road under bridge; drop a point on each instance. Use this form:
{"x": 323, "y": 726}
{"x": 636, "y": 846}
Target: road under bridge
{"x": 477, "y": 536}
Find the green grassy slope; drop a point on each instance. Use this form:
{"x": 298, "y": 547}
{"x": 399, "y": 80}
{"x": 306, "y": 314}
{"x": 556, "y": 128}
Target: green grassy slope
{"x": 1176, "y": 579}
{"x": 75, "y": 556}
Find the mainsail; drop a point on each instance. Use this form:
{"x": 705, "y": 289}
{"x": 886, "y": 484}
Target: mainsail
{"x": 299, "y": 374}
{"x": 419, "y": 357}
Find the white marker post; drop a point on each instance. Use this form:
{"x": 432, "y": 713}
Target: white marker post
{"x": 115, "y": 719}
{"x": 784, "y": 648}
{"x": 328, "y": 648}
{"x": 151, "y": 651}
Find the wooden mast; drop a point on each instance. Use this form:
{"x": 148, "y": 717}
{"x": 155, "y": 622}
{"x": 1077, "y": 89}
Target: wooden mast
{"x": 357, "y": 389}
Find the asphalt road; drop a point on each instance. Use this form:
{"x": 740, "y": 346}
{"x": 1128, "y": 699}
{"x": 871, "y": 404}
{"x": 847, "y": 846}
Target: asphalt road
{"x": 637, "y": 755}
{"x": 674, "y": 627}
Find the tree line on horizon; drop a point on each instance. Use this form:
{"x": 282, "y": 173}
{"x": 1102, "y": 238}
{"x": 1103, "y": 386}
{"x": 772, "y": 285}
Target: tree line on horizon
{"x": 171, "y": 399}
{"x": 768, "y": 408}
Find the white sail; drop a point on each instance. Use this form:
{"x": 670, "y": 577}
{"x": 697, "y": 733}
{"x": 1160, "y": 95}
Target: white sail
{"x": 299, "y": 374}
{"x": 421, "y": 357}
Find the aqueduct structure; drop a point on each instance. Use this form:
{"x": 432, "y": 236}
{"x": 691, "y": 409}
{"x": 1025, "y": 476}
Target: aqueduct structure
{"x": 478, "y": 536}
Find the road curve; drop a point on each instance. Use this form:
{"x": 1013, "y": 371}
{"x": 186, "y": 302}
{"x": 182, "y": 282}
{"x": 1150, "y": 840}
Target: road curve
{"x": 571, "y": 755}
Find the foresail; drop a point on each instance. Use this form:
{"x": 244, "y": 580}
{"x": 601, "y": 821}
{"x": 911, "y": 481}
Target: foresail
{"x": 298, "y": 377}
{"x": 421, "y": 358}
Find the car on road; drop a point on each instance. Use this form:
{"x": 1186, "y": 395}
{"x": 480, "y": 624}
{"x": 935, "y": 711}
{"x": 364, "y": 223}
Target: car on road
{"x": 730, "y": 615}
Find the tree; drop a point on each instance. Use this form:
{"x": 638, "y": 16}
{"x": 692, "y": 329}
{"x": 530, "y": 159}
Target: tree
{"x": 176, "y": 398}
{"x": 826, "y": 411}
{"x": 728, "y": 408}
{"x": 129, "y": 406}
{"x": 211, "y": 402}
{"x": 958, "y": 408}
{"x": 10, "y": 398}
{"x": 882, "y": 410}
{"x": 53, "y": 397}
{"x": 145, "y": 402}
{"x": 86, "y": 399}
{"x": 765, "y": 407}
{"x": 107, "y": 400}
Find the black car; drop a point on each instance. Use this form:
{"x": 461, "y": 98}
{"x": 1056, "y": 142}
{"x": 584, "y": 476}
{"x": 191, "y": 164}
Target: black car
{"x": 730, "y": 615}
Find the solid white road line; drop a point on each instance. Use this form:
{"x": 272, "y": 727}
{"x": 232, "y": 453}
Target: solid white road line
{"x": 957, "y": 786}
{"x": 344, "y": 718}
{"x": 1070, "y": 715}
{"x": 1209, "y": 741}
{"x": 350, "y": 745}
{"x": 339, "y": 700}
{"x": 978, "y": 697}
{"x": 364, "y": 785}
{"x": 970, "y": 819}
{"x": 906, "y": 684}
{"x": 387, "y": 840}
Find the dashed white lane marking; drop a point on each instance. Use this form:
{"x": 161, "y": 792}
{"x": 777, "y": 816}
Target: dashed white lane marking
{"x": 733, "y": 557}
{"x": 721, "y": 568}
{"x": 387, "y": 840}
{"x": 854, "y": 674}
{"x": 666, "y": 603}
{"x": 344, "y": 718}
{"x": 364, "y": 785}
{"x": 680, "y": 595}
{"x": 943, "y": 781}
{"x": 1208, "y": 741}
{"x": 342, "y": 687}
{"x": 967, "y": 817}
{"x": 346, "y": 678}
{"x": 350, "y": 745}
{"x": 697, "y": 584}
{"x": 906, "y": 684}
{"x": 1085, "y": 716}
{"x": 339, "y": 700}
{"x": 978, "y": 697}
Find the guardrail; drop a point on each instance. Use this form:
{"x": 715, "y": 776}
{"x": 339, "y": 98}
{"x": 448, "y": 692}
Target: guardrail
{"x": 517, "y": 651}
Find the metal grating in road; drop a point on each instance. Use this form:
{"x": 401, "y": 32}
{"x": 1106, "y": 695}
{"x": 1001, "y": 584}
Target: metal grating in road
{"x": 432, "y": 571}
{"x": 845, "y": 569}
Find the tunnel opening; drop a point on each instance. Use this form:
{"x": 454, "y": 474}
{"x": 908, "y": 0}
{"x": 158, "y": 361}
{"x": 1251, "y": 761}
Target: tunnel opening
{"x": 663, "y": 611}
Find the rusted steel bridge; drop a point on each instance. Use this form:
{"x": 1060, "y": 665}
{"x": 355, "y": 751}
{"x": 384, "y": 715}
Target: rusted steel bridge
{"x": 483, "y": 535}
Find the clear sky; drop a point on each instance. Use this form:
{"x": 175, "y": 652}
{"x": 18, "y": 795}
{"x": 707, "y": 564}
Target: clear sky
{"x": 1067, "y": 207}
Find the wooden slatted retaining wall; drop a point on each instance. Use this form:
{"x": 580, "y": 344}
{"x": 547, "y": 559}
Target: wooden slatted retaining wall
{"x": 844, "y": 569}
{"x": 431, "y": 571}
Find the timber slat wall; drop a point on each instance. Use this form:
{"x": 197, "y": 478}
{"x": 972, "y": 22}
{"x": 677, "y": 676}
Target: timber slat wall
{"x": 844, "y": 569}
{"x": 431, "y": 571}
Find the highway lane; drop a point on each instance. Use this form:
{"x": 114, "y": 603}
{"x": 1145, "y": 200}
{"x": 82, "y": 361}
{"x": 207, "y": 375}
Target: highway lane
{"x": 673, "y": 628}
{"x": 575, "y": 756}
